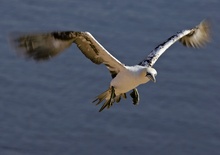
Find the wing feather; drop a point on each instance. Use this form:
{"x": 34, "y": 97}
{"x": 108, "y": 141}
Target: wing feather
{"x": 196, "y": 38}
{"x": 42, "y": 46}
{"x": 93, "y": 50}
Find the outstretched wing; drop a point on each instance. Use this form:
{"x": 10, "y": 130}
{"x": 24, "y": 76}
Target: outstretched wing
{"x": 196, "y": 38}
{"x": 42, "y": 46}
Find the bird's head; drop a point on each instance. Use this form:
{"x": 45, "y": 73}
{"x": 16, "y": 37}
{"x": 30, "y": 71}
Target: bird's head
{"x": 151, "y": 73}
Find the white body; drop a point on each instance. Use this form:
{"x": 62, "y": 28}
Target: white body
{"x": 129, "y": 78}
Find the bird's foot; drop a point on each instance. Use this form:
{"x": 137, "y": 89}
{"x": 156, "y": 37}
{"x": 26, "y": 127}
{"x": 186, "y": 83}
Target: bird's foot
{"x": 135, "y": 96}
{"x": 111, "y": 100}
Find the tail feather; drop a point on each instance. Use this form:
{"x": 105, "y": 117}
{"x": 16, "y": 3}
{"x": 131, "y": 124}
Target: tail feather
{"x": 102, "y": 96}
{"x": 107, "y": 104}
{"x": 109, "y": 97}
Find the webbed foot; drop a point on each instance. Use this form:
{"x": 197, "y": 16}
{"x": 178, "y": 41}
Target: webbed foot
{"x": 135, "y": 96}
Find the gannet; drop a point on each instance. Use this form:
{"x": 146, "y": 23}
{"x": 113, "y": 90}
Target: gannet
{"x": 43, "y": 46}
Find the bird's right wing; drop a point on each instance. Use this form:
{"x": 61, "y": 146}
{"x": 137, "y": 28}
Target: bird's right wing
{"x": 42, "y": 46}
{"x": 195, "y": 37}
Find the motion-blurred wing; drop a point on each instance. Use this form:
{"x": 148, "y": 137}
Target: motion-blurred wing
{"x": 43, "y": 46}
{"x": 196, "y": 38}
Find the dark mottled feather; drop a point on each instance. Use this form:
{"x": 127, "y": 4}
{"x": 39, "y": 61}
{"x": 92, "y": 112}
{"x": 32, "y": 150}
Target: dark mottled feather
{"x": 196, "y": 37}
{"x": 42, "y": 46}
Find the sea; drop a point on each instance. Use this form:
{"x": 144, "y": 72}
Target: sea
{"x": 46, "y": 107}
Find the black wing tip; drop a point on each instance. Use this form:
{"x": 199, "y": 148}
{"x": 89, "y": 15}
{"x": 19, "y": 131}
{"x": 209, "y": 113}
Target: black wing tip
{"x": 199, "y": 35}
{"x": 208, "y": 25}
{"x": 39, "y": 46}
{"x": 64, "y": 35}
{"x": 15, "y": 42}
{"x": 207, "y": 22}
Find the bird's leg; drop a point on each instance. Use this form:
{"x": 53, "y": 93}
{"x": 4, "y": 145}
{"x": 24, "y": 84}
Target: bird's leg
{"x": 110, "y": 101}
{"x": 135, "y": 96}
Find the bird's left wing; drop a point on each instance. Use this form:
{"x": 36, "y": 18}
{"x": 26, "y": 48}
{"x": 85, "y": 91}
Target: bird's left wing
{"x": 196, "y": 37}
{"x": 43, "y": 46}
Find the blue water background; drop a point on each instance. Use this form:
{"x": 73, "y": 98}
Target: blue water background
{"x": 46, "y": 109}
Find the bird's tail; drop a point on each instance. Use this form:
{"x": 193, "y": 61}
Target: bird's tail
{"x": 109, "y": 97}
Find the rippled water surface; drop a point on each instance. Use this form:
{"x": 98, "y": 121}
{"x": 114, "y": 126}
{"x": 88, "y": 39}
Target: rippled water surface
{"x": 46, "y": 109}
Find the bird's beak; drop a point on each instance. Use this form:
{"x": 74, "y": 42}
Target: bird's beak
{"x": 151, "y": 77}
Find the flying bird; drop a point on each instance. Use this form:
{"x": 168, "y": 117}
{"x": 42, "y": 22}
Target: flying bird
{"x": 43, "y": 46}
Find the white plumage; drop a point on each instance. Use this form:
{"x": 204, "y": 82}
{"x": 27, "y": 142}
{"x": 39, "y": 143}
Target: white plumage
{"x": 42, "y": 46}
{"x": 130, "y": 78}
